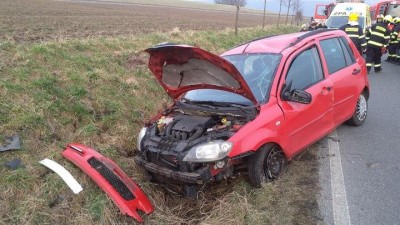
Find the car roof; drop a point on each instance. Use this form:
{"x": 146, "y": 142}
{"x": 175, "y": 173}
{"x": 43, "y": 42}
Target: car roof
{"x": 278, "y": 43}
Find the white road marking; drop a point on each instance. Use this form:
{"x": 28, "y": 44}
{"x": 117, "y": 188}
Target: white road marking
{"x": 341, "y": 215}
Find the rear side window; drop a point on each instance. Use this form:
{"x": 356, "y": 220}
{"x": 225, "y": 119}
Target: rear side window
{"x": 348, "y": 53}
{"x": 334, "y": 55}
{"x": 305, "y": 69}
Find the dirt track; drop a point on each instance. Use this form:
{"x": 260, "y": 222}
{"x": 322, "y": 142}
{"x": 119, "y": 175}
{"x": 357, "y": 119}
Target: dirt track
{"x": 41, "y": 20}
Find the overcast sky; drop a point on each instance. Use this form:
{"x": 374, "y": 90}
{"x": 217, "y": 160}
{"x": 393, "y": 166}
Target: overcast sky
{"x": 273, "y": 5}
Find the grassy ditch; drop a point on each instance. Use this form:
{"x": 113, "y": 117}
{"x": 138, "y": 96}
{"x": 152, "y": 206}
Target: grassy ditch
{"x": 99, "y": 92}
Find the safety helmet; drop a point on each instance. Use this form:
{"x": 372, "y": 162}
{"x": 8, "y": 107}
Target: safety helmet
{"x": 388, "y": 19}
{"x": 379, "y": 18}
{"x": 353, "y": 17}
{"x": 396, "y": 20}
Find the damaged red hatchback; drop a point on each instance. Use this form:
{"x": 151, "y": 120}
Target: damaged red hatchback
{"x": 255, "y": 106}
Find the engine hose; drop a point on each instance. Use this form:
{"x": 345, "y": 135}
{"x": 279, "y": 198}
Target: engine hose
{"x": 169, "y": 127}
{"x": 197, "y": 134}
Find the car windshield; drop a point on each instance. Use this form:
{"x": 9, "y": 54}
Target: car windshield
{"x": 338, "y": 21}
{"x": 257, "y": 69}
{"x": 394, "y": 9}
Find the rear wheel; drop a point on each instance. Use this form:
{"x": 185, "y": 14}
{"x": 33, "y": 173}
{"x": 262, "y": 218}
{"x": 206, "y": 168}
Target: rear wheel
{"x": 360, "y": 112}
{"x": 266, "y": 164}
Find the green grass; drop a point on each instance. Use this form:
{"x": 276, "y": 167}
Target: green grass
{"x": 99, "y": 92}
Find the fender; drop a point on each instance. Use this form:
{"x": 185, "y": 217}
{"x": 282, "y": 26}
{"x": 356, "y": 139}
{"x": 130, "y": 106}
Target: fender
{"x": 260, "y": 131}
{"x": 119, "y": 187}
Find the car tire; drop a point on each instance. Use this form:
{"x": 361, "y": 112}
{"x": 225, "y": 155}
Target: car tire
{"x": 266, "y": 164}
{"x": 360, "y": 112}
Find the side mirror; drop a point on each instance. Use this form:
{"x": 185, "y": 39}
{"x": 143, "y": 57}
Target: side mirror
{"x": 300, "y": 96}
{"x": 295, "y": 95}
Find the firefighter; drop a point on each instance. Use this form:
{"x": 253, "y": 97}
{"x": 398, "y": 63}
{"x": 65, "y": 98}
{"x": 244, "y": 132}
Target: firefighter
{"x": 377, "y": 37}
{"x": 355, "y": 32}
{"x": 395, "y": 38}
{"x": 304, "y": 28}
{"x": 313, "y": 25}
{"x": 379, "y": 18}
{"x": 392, "y": 56}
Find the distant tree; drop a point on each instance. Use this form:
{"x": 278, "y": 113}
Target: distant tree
{"x": 297, "y": 11}
{"x": 238, "y": 4}
{"x": 288, "y": 4}
{"x": 280, "y": 10}
{"x": 299, "y": 16}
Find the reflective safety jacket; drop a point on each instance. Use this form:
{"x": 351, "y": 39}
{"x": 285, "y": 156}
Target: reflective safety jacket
{"x": 395, "y": 36}
{"x": 356, "y": 34}
{"x": 377, "y": 36}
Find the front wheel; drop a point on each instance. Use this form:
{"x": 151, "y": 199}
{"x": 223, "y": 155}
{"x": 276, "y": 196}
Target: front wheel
{"x": 266, "y": 164}
{"x": 360, "y": 113}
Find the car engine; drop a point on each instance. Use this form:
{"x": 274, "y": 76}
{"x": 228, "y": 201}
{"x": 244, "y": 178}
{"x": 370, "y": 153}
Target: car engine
{"x": 170, "y": 137}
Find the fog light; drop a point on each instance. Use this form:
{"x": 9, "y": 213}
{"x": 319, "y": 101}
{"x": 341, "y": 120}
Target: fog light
{"x": 220, "y": 164}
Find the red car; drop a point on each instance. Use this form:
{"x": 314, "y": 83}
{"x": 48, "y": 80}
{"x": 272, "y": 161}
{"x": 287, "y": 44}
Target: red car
{"x": 254, "y": 107}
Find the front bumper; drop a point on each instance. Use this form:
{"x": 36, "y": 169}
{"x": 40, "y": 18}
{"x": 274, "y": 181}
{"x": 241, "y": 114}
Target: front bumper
{"x": 125, "y": 193}
{"x": 200, "y": 176}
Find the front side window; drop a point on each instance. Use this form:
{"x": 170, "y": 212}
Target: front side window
{"x": 305, "y": 70}
{"x": 334, "y": 55}
{"x": 348, "y": 53}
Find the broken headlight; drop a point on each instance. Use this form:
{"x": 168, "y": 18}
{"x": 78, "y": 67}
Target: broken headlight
{"x": 140, "y": 137}
{"x": 209, "y": 152}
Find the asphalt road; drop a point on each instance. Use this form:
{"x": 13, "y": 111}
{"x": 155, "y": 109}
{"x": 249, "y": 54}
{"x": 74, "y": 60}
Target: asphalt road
{"x": 360, "y": 166}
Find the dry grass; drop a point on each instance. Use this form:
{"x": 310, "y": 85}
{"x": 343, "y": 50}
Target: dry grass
{"x": 98, "y": 91}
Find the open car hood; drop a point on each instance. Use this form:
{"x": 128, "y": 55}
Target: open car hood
{"x": 181, "y": 68}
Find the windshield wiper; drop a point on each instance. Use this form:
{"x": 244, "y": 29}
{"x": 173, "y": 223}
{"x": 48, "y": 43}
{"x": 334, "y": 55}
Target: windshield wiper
{"x": 207, "y": 104}
{"x": 220, "y": 104}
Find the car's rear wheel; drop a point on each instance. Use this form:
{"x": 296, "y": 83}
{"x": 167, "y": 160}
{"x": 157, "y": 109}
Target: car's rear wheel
{"x": 360, "y": 112}
{"x": 266, "y": 164}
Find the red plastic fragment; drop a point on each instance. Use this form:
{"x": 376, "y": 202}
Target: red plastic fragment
{"x": 81, "y": 155}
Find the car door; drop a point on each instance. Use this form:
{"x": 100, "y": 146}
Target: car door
{"x": 343, "y": 72}
{"x": 306, "y": 123}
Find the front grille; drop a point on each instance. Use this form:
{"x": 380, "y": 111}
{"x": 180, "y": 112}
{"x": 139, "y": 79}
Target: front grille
{"x": 168, "y": 161}
{"x": 113, "y": 179}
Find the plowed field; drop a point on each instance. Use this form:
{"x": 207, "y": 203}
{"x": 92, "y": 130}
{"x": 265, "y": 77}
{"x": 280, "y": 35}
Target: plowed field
{"x": 42, "y": 20}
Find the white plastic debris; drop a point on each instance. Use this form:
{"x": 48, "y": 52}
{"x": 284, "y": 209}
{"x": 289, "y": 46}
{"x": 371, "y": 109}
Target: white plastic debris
{"x": 64, "y": 174}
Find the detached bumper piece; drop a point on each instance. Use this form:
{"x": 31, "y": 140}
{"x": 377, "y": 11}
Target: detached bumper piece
{"x": 119, "y": 187}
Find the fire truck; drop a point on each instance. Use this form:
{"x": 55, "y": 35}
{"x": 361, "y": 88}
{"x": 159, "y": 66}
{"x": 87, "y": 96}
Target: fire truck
{"x": 322, "y": 12}
{"x": 385, "y": 7}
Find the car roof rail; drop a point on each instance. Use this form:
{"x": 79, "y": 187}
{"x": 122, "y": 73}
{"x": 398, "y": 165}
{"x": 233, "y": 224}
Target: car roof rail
{"x": 305, "y": 35}
{"x": 311, "y": 33}
{"x": 249, "y": 42}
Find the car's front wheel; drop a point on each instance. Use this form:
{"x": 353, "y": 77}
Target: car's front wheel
{"x": 266, "y": 164}
{"x": 360, "y": 113}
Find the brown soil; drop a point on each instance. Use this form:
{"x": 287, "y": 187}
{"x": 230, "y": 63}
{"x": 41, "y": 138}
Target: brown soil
{"x": 41, "y": 20}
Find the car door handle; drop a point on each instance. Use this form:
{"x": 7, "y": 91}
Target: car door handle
{"x": 356, "y": 71}
{"x": 326, "y": 90}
